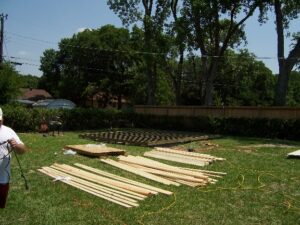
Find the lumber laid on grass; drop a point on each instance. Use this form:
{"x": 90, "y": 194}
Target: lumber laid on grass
{"x": 193, "y": 154}
{"x": 191, "y": 184}
{"x": 204, "y": 171}
{"x": 95, "y": 150}
{"x": 88, "y": 190}
{"x": 152, "y": 188}
{"x": 186, "y": 157}
{"x": 97, "y": 189}
{"x": 170, "y": 174}
{"x": 175, "y": 159}
{"x": 158, "y": 165}
{"x": 139, "y": 172}
{"x": 104, "y": 181}
{"x": 93, "y": 185}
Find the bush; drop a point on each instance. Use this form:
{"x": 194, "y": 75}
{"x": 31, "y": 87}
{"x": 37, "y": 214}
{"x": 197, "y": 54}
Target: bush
{"x": 24, "y": 119}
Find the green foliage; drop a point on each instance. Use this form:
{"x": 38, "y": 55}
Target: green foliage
{"x": 293, "y": 96}
{"x": 29, "y": 81}
{"x": 267, "y": 128}
{"x": 9, "y": 83}
{"x": 89, "y": 62}
{"x": 244, "y": 81}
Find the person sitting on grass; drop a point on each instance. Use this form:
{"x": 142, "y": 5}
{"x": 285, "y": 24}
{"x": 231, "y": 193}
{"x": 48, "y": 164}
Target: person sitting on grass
{"x": 9, "y": 141}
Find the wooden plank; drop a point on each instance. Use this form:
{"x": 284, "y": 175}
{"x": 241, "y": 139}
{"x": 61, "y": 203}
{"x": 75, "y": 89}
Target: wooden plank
{"x": 102, "y": 180}
{"x": 91, "y": 184}
{"x": 169, "y": 175}
{"x": 88, "y": 190}
{"x": 158, "y": 165}
{"x": 204, "y": 171}
{"x": 152, "y": 188}
{"x": 187, "y": 157}
{"x": 175, "y": 159}
{"x": 139, "y": 172}
{"x": 95, "y": 150}
{"x": 194, "y": 154}
{"x": 94, "y": 187}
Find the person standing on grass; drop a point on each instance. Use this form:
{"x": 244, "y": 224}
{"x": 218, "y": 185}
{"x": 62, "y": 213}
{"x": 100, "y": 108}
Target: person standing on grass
{"x": 9, "y": 141}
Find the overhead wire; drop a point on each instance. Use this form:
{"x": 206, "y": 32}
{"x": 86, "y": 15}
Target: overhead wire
{"x": 142, "y": 52}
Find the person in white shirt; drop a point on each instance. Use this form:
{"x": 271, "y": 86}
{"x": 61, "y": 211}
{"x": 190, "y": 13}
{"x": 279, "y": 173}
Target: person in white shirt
{"x": 9, "y": 141}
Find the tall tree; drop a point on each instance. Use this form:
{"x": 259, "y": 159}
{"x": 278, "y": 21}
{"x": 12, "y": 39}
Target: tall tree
{"x": 285, "y": 11}
{"x": 89, "y": 62}
{"x": 51, "y": 72}
{"x": 215, "y": 25}
{"x": 153, "y": 14}
{"x": 9, "y": 83}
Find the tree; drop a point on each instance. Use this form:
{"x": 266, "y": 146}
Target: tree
{"x": 89, "y": 62}
{"x": 51, "y": 72}
{"x": 214, "y": 27}
{"x": 9, "y": 83}
{"x": 285, "y": 11}
{"x": 29, "y": 81}
{"x": 244, "y": 81}
{"x": 293, "y": 95}
{"x": 153, "y": 15}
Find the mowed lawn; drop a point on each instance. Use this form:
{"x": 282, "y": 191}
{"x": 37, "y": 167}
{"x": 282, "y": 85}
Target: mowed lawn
{"x": 262, "y": 186}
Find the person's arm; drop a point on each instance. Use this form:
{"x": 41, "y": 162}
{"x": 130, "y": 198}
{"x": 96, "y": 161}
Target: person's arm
{"x": 19, "y": 148}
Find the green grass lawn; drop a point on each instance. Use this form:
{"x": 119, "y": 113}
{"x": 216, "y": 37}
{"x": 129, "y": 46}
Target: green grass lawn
{"x": 262, "y": 187}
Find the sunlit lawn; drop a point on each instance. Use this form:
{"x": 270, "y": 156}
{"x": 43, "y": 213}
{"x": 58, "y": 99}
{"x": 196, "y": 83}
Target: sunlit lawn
{"x": 262, "y": 187}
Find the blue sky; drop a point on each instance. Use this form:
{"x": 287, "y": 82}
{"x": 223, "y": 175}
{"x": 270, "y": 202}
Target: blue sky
{"x": 35, "y": 25}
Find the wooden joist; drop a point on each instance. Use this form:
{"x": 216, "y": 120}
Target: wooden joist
{"x": 139, "y": 184}
{"x": 192, "y": 154}
{"x": 102, "y": 180}
{"x": 176, "y": 158}
{"x": 158, "y": 165}
{"x": 88, "y": 190}
{"x": 139, "y": 172}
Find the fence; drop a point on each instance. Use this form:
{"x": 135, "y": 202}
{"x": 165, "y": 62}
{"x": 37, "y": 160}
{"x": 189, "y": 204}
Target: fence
{"x": 221, "y": 112}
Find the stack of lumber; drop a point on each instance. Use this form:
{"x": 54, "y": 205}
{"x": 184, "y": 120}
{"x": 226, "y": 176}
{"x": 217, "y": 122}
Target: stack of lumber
{"x": 191, "y": 158}
{"x": 95, "y": 150}
{"x": 116, "y": 189}
{"x": 164, "y": 173}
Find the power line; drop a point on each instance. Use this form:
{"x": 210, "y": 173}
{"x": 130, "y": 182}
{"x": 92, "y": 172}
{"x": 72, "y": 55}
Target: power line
{"x": 139, "y": 52}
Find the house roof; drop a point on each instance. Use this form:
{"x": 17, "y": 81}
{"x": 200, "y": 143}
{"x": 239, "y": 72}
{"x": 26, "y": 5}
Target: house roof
{"x": 34, "y": 94}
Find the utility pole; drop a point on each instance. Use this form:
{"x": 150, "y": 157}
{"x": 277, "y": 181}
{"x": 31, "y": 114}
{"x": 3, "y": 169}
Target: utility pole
{"x": 2, "y": 17}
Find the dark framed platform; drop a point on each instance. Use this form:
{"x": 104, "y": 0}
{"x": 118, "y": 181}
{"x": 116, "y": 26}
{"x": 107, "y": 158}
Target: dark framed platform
{"x": 142, "y": 137}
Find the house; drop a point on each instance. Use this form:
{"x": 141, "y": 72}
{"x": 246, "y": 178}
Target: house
{"x": 33, "y": 94}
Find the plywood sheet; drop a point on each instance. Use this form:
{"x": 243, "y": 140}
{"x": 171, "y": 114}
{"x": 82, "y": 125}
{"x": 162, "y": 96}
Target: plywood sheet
{"x": 95, "y": 150}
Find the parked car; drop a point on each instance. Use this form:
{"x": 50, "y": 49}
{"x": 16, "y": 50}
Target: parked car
{"x": 55, "y": 104}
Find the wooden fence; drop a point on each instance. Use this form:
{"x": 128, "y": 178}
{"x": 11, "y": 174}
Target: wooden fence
{"x": 221, "y": 112}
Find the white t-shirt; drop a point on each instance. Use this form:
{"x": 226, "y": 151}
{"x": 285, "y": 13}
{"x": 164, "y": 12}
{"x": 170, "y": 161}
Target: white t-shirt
{"x": 6, "y": 133}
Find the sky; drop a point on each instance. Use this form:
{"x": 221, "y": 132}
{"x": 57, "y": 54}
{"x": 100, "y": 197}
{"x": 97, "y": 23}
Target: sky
{"x": 33, "y": 26}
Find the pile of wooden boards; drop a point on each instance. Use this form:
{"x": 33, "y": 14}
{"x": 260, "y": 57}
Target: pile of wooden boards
{"x": 95, "y": 150}
{"x": 117, "y": 189}
{"x": 185, "y": 157}
{"x": 164, "y": 173}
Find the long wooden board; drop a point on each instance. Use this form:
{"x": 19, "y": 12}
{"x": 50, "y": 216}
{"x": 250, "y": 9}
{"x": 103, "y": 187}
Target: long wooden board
{"x": 95, "y": 150}
{"x": 139, "y": 172}
{"x": 88, "y": 190}
{"x": 99, "y": 179}
{"x": 149, "y": 187}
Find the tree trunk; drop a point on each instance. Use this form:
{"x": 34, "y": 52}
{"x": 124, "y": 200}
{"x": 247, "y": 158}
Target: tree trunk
{"x": 208, "y": 85}
{"x": 283, "y": 77}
